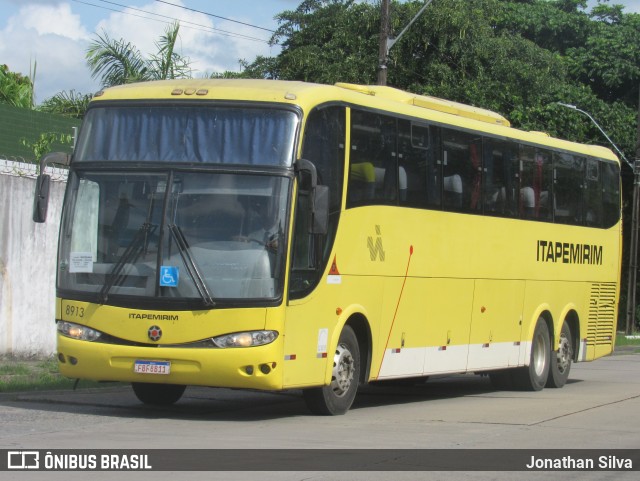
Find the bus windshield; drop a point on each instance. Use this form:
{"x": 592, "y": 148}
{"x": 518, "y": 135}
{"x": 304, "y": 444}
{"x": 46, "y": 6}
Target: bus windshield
{"x": 196, "y": 237}
{"x": 179, "y": 133}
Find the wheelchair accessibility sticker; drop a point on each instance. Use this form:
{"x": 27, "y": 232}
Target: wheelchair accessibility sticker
{"x": 169, "y": 276}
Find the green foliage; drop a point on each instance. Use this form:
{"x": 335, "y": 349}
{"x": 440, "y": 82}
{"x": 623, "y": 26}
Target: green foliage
{"x": 68, "y": 104}
{"x": 328, "y": 41}
{"x": 116, "y": 62}
{"x": 609, "y": 58}
{"x": 45, "y": 142}
{"x": 15, "y": 89}
{"x": 167, "y": 63}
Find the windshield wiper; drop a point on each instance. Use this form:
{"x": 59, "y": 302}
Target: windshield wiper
{"x": 130, "y": 256}
{"x": 190, "y": 264}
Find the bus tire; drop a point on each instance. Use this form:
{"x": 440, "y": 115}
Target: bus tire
{"x": 561, "y": 359}
{"x": 534, "y": 376}
{"x": 158, "y": 394}
{"x": 337, "y": 397}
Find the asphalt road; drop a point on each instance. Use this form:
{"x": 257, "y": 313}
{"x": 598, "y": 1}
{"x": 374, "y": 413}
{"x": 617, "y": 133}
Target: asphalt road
{"x": 598, "y": 409}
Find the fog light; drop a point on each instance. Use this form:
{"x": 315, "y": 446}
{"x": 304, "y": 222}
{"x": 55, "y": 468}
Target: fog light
{"x": 61, "y": 358}
{"x": 265, "y": 368}
{"x": 73, "y": 360}
{"x": 249, "y": 370}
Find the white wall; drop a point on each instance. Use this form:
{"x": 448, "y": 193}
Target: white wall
{"x": 27, "y": 263}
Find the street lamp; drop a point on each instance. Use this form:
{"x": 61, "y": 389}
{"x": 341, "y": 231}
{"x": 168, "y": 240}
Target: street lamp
{"x": 633, "y": 244}
{"x": 573, "y": 107}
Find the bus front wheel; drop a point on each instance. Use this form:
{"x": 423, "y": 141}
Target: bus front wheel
{"x": 561, "y": 359}
{"x": 337, "y": 397}
{"x": 534, "y": 376}
{"x": 158, "y": 394}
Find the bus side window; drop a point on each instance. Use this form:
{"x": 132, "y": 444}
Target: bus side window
{"x": 461, "y": 171}
{"x": 416, "y": 161}
{"x": 500, "y": 178}
{"x": 568, "y": 187}
{"x": 324, "y": 146}
{"x": 535, "y": 183}
{"x": 610, "y": 193}
{"x": 593, "y": 194}
{"x": 373, "y": 175}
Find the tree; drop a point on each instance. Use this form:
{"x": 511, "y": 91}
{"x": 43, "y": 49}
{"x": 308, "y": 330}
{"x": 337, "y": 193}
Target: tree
{"x": 15, "y": 88}
{"x": 118, "y": 62}
{"x": 68, "y": 104}
{"x": 609, "y": 59}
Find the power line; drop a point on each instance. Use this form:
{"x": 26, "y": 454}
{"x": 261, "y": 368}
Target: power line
{"x": 217, "y": 30}
{"x": 186, "y": 23}
{"x": 215, "y": 16}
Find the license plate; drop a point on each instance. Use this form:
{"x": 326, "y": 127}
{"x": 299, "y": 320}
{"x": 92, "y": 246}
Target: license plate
{"x": 152, "y": 367}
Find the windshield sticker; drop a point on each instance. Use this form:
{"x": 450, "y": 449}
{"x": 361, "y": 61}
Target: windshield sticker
{"x": 169, "y": 276}
{"x": 81, "y": 262}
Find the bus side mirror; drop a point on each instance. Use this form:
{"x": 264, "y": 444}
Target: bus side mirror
{"x": 43, "y": 183}
{"x": 41, "y": 198}
{"x": 318, "y": 196}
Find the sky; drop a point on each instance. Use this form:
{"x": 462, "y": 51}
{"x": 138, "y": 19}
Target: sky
{"x": 53, "y": 35}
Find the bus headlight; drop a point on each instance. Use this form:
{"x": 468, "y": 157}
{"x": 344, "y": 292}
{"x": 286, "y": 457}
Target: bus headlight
{"x": 245, "y": 339}
{"x": 77, "y": 331}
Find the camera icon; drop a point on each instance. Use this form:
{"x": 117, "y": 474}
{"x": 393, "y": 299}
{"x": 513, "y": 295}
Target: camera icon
{"x": 23, "y": 460}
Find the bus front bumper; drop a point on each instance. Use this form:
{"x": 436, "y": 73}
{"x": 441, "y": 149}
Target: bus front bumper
{"x": 251, "y": 367}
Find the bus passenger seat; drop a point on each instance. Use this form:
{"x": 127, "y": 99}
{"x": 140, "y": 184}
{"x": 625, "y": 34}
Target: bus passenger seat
{"x": 528, "y": 201}
{"x": 362, "y": 184}
{"x": 453, "y": 190}
{"x": 402, "y": 183}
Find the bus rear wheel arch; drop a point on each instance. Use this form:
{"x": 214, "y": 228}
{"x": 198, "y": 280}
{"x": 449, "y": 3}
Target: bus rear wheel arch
{"x": 338, "y": 396}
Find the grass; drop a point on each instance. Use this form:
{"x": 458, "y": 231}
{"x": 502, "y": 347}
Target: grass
{"x": 623, "y": 340}
{"x": 36, "y": 375}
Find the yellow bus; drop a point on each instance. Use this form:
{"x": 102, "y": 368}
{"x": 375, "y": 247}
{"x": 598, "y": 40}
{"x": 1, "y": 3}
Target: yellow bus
{"x": 284, "y": 235}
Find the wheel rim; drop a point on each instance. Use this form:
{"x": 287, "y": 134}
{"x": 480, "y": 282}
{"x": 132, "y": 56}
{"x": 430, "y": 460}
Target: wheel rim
{"x": 344, "y": 368}
{"x": 564, "y": 354}
{"x": 539, "y": 357}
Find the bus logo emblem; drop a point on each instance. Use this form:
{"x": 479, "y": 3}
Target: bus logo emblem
{"x": 375, "y": 248}
{"x": 155, "y": 333}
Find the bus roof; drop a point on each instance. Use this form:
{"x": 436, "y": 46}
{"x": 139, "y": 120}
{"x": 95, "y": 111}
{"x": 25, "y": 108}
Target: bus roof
{"x": 307, "y": 95}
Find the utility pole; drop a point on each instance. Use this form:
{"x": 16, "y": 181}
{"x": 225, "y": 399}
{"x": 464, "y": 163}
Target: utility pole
{"x": 384, "y": 37}
{"x": 633, "y": 249}
{"x": 386, "y": 43}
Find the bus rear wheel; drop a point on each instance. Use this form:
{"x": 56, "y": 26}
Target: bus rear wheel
{"x": 561, "y": 359}
{"x": 337, "y": 397}
{"x": 158, "y": 394}
{"x": 534, "y": 376}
